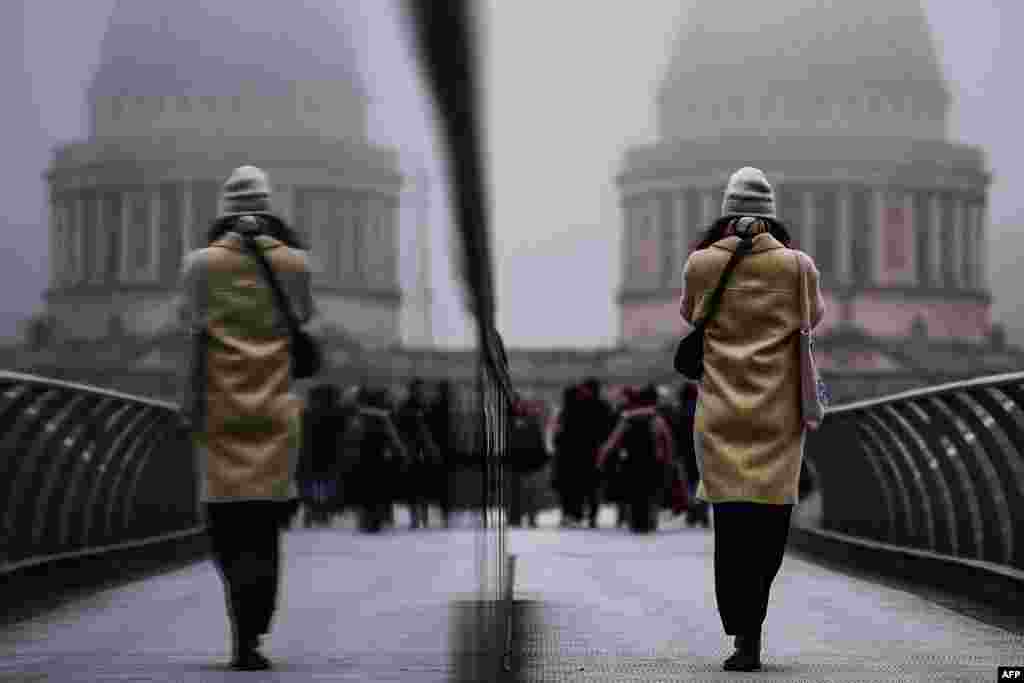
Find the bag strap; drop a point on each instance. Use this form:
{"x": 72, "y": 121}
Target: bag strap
{"x": 283, "y": 305}
{"x": 802, "y": 295}
{"x": 744, "y": 247}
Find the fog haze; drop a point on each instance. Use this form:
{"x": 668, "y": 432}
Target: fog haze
{"x": 571, "y": 84}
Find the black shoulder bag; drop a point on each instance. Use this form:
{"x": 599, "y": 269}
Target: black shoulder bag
{"x": 307, "y": 358}
{"x": 689, "y": 359}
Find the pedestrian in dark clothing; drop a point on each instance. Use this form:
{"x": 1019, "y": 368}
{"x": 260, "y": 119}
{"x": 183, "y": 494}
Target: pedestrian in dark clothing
{"x": 597, "y": 422}
{"x": 440, "y": 418}
{"x": 567, "y": 450}
{"x": 525, "y": 455}
{"x": 422, "y": 456}
{"x": 381, "y": 459}
{"x": 647, "y": 440}
{"x": 615, "y": 489}
{"x": 319, "y": 464}
{"x": 676, "y": 486}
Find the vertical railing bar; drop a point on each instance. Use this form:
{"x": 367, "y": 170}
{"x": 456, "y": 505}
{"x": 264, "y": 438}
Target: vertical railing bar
{"x": 898, "y": 455}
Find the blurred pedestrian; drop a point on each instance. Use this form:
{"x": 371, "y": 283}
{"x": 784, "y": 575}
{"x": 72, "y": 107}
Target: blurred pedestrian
{"x": 319, "y": 467}
{"x": 677, "y": 496}
{"x": 238, "y": 399}
{"x": 376, "y": 479}
{"x": 525, "y": 456}
{"x": 647, "y": 440}
{"x": 599, "y": 421}
{"x": 561, "y": 475}
{"x": 441, "y": 419}
{"x": 697, "y": 512}
{"x": 748, "y": 425}
{"x": 422, "y": 456}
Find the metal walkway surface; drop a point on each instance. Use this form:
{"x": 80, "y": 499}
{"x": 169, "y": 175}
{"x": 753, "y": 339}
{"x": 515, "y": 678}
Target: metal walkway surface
{"x": 591, "y": 605}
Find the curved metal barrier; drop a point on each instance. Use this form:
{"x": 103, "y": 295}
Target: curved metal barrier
{"x": 941, "y": 469}
{"x": 85, "y": 470}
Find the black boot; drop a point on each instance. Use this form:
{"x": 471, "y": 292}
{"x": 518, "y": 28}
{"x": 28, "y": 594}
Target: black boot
{"x": 747, "y": 656}
{"x": 248, "y": 656}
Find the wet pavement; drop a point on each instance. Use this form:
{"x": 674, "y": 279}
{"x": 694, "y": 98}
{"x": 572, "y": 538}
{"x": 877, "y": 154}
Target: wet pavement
{"x": 590, "y": 605}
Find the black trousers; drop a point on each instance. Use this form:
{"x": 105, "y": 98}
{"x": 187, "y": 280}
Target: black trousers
{"x": 245, "y": 537}
{"x": 750, "y": 540}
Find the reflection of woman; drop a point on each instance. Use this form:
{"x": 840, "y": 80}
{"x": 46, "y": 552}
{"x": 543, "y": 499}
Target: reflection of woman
{"x": 245, "y": 420}
{"x": 748, "y": 428}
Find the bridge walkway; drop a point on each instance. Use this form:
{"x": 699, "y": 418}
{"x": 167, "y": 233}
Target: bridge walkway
{"x": 590, "y": 605}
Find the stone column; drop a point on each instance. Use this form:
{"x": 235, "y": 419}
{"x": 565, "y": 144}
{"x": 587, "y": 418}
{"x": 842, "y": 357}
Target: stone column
{"x": 326, "y": 224}
{"x": 877, "y": 274}
{"x": 655, "y": 231}
{"x": 911, "y": 222}
{"x": 682, "y": 238}
{"x": 966, "y": 243}
{"x": 668, "y": 237}
{"x": 625, "y": 249}
{"x": 981, "y": 234}
{"x": 56, "y": 242}
{"x": 78, "y": 239}
{"x": 935, "y": 241}
{"x": 844, "y": 240}
{"x": 155, "y": 207}
{"x": 100, "y": 240}
{"x": 126, "y": 241}
{"x": 709, "y": 212}
{"x": 957, "y": 242}
{"x": 810, "y": 215}
{"x": 186, "y": 219}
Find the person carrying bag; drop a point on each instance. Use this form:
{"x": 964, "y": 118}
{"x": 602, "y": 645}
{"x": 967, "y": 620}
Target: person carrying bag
{"x": 814, "y": 396}
{"x": 307, "y": 359}
{"x": 751, "y": 416}
{"x": 244, "y": 418}
{"x": 689, "y": 358}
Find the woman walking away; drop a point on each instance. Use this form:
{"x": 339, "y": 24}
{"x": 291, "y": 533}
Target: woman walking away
{"x": 238, "y": 401}
{"x": 748, "y": 427}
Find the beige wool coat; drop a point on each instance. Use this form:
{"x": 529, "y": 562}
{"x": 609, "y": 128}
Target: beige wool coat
{"x": 238, "y": 394}
{"x": 748, "y": 428}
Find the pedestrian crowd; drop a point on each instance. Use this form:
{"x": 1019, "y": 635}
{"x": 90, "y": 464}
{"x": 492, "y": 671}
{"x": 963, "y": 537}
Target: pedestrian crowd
{"x": 365, "y": 452}
{"x": 632, "y": 450}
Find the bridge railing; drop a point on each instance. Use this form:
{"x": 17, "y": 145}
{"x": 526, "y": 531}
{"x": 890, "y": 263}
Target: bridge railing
{"x": 85, "y": 470}
{"x": 940, "y": 469}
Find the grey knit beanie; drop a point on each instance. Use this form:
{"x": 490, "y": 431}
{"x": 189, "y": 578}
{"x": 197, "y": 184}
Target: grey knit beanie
{"x": 748, "y": 194}
{"x": 246, "y": 192}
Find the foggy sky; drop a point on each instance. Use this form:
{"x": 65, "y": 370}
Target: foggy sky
{"x": 571, "y": 84}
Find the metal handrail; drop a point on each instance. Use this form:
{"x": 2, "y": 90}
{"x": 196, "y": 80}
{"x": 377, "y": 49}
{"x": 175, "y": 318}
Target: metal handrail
{"x": 1008, "y": 377}
{"x": 6, "y": 375}
{"x": 938, "y": 468}
{"x": 85, "y": 470}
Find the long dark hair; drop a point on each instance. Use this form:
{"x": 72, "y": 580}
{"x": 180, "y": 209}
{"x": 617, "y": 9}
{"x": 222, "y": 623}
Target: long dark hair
{"x": 270, "y": 225}
{"x": 716, "y": 231}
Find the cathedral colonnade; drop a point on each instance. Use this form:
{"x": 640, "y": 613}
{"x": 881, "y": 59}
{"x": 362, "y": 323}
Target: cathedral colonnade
{"x": 118, "y": 243}
{"x": 876, "y": 245}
